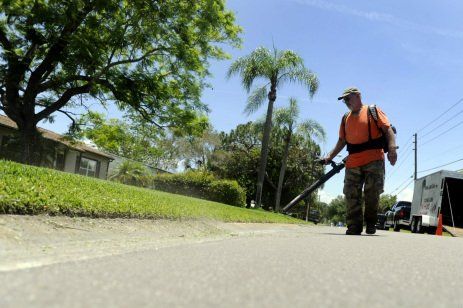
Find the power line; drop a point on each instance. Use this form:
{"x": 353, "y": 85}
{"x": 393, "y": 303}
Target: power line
{"x": 441, "y": 165}
{"x": 447, "y": 151}
{"x": 406, "y": 142}
{"x": 398, "y": 187}
{"x": 446, "y": 122}
{"x": 405, "y": 187}
{"x": 407, "y": 148}
{"x": 432, "y": 139}
{"x": 451, "y": 107}
{"x": 398, "y": 167}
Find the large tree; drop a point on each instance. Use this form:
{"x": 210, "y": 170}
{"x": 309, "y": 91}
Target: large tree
{"x": 147, "y": 57}
{"x": 239, "y": 154}
{"x": 276, "y": 68}
{"x": 195, "y": 151}
{"x": 237, "y": 157}
{"x": 386, "y": 202}
{"x": 287, "y": 119}
{"x": 131, "y": 139}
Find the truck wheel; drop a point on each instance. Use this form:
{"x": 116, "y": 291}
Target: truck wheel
{"x": 384, "y": 226}
{"x": 419, "y": 226}
{"x": 413, "y": 225}
{"x": 396, "y": 226}
{"x": 431, "y": 230}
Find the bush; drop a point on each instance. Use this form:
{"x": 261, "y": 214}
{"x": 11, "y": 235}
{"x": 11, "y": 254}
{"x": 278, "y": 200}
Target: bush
{"x": 131, "y": 173}
{"x": 201, "y": 185}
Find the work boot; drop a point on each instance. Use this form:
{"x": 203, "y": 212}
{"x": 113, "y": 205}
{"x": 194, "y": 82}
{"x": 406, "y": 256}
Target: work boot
{"x": 353, "y": 230}
{"x": 370, "y": 229}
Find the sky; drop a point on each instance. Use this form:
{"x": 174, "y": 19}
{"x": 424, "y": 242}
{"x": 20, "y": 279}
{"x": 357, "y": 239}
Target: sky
{"x": 404, "y": 56}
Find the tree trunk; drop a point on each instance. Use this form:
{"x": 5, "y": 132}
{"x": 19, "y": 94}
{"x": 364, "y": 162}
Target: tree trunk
{"x": 29, "y": 142}
{"x": 265, "y": 144}
{"x": 282, "y": 173}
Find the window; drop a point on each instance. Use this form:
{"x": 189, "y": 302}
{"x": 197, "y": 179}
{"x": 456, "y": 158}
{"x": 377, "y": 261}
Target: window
{"x": 88, "y": 167}
{"x": 60, "y": 161}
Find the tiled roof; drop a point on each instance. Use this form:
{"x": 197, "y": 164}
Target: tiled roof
{"x": 79, "y": 146}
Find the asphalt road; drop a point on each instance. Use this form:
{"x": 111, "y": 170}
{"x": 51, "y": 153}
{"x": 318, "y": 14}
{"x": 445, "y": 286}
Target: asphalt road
{"x": 286, "y": 267}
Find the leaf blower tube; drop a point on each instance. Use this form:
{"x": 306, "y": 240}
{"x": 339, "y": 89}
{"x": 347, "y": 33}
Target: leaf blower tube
{"x": 336, "y": 168}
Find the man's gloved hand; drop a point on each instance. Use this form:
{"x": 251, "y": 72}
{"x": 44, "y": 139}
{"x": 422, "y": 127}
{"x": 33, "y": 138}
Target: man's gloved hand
{"x": 325, "y": 160}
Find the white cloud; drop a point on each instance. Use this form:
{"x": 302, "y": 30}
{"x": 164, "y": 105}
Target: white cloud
{"x": 405, "y": 195}
{"x": 380, "y": 17}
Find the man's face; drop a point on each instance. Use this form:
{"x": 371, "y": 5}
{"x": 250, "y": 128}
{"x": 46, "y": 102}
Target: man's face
{"x": 353, "y": 102}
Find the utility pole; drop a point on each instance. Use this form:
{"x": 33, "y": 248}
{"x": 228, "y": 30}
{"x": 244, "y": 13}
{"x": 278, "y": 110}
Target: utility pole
{"x": 416, "y": 155}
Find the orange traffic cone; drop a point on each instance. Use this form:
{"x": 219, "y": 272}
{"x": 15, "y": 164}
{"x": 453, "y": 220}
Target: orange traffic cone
{"x": 439, "y": 226}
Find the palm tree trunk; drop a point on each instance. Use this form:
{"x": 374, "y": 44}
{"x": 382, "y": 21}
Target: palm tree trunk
{"x": 282, "y": 173}
{"x": 265, "y": 143}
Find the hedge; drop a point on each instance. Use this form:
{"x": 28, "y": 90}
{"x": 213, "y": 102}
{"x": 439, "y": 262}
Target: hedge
{"x": 201, "y": 185}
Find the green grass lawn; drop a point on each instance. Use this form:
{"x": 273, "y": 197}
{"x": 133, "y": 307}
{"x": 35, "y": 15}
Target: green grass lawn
{"x": 32, "y": 190}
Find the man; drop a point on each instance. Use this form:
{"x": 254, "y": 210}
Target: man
{"x": 361, "y": 131}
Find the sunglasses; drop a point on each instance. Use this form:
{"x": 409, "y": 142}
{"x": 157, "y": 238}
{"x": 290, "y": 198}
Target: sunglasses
{"x": 347, "y": 99}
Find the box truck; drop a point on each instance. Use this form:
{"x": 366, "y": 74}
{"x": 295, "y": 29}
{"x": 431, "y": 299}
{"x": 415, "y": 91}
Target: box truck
{"x": 437, "y": 193}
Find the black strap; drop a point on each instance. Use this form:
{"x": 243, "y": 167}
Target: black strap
{"x": 378, "y": 143}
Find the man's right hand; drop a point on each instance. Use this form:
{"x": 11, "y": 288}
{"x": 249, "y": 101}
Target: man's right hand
{"x": 326, "y": 160}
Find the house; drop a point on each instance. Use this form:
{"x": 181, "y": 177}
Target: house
{"x": 61, "y": 153}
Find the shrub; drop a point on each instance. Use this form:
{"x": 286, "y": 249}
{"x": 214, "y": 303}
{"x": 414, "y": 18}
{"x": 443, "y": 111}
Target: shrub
{"x": 201, "y": 185}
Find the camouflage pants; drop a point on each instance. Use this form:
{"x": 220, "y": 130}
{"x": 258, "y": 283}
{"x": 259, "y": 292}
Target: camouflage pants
{"x": 371, "y": 178}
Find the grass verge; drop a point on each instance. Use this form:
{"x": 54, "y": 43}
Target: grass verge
{"x": 34, "y": 190}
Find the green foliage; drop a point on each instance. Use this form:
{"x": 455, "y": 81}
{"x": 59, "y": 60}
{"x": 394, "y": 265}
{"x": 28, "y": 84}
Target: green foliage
{"x": 131, "y": 173}
{"x": 386, "y": 202}
{"x": 238, "y": 158}
{"x": 287, "y": 127}
{"x": 33, "y": 190}
{"x": 132, "y": 140}
{"x": 196, "y": 151}
{"x": 201, "y": 185}
{"x": 276, "y": 68}
{"x": 149, "y": 58}
{"x": 336, "y": 211}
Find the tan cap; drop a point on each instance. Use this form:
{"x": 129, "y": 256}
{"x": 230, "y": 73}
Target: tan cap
{"x": 349, "y": 91}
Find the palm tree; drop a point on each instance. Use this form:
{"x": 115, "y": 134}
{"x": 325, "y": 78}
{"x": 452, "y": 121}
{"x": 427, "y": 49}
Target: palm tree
{"x": 276, "y": 69}
{"x": 131, "y": 173}
{"x": 286, "y": 118}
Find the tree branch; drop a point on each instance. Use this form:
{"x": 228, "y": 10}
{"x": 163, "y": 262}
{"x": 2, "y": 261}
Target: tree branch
{"x": 62, "y": 101}
{"x": 5, "y": 42}
{"x": 128, "y": 61}
{"x": 267, "y": 178}
{"x": 55, "y": 52}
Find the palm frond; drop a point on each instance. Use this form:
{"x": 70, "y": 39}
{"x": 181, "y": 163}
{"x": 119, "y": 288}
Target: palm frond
{"x": 255, "y": 100}
{"x": 287, "y": 116}
{"x": 312, "y": 128}
{"x": 287, "y": 61}
{"x": 294, "y": 108}
{"x": 303, "y": 76}
{"x": 257, "y": 64}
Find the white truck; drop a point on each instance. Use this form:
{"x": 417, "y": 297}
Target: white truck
{"x": 437, "y": 193}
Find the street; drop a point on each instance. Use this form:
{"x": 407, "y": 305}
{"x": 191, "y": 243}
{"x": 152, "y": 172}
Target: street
{"x": 295, "y": 266}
